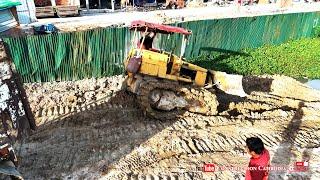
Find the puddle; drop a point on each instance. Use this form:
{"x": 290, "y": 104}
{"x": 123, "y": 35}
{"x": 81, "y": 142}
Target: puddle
{"x": 315, "y": 83}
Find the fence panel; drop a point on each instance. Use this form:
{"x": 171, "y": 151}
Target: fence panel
{"x": 100, "y": 52}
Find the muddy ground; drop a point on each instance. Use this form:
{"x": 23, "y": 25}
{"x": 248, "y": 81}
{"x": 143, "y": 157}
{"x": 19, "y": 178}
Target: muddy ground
{"x": 92, "y": 129}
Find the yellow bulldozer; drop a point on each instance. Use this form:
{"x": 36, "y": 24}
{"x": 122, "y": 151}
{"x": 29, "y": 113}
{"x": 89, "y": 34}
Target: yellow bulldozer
{"x": 166, "y": 84}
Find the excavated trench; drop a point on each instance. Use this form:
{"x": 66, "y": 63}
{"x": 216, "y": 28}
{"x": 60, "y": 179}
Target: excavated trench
{"x": 91, "y": 129}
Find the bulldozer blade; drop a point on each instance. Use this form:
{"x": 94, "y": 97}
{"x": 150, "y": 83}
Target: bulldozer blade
{"x": 8, "y": 168}
{"x": 229, "y": 83}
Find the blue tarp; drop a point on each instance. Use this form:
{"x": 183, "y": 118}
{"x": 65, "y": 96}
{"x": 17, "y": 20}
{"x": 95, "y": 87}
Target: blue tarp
{"x": 5, "y": 4}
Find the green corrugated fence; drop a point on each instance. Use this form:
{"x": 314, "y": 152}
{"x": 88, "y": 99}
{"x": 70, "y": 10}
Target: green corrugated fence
{"x": 69, "y": 56}
{"x": 246, "y": 32}
{"x": 100, "y": 52}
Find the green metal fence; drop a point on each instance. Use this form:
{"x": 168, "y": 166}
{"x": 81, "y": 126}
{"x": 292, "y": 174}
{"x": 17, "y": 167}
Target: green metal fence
{"x": 247, "y": 32}
{"x": 100, "y": 52}
{"x": 69, "y": 56}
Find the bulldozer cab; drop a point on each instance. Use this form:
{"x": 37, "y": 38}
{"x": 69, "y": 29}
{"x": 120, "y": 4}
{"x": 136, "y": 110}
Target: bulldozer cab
{"x": 144, "y": 59}
{"x": 151, "y": 29}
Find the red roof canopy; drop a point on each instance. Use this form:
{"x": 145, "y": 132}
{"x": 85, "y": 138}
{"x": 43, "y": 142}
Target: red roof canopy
{"x": 158, "y": 28}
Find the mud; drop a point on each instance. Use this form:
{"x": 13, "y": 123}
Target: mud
{"x": 92, "y": 129}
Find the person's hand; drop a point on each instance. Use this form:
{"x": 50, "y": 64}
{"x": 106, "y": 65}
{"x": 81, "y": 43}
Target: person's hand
{"x": 152, "y": 34}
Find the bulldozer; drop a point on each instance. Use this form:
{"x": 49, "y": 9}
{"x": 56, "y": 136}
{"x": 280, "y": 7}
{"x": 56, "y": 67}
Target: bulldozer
{"x": 166, "y": 84}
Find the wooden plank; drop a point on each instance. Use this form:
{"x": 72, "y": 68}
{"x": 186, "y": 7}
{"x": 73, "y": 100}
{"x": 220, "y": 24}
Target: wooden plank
{"x": 67, "y": 10}
{"x": 62, "y": 8}
{"x": 47, "y": 11}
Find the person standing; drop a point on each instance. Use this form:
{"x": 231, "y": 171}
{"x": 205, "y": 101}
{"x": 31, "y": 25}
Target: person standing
{"x": 259, "y": 161}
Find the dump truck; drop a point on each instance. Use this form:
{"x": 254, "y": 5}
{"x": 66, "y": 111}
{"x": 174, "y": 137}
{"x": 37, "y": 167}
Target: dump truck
{"x": 166, "y": 84}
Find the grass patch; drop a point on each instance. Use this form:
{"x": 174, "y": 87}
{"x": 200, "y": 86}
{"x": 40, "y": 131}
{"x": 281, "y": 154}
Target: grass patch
{"x": 297, "y": 58}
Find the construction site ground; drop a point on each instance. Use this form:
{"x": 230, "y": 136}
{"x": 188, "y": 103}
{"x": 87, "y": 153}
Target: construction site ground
{"x": 94, "y": 129}
{"x": 191, "y": 13}
{"x": 91, "y": 129}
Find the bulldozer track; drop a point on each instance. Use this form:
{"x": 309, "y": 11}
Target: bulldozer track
{"x": 62, "y": 110}
{"x": 203, "y": 142}
{"x": 169, "y": 176}
{"x": 80, "y": 138}
{"x": 192, "y": 136}
{"x": 206, "y": 99}
{"x": 58, "y": 112}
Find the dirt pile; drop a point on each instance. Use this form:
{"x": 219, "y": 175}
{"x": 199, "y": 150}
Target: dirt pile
{"x": 101, "y": 132}
{"x": 59, "y": 98}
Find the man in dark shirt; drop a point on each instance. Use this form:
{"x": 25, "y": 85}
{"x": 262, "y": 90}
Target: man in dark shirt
{"x": 148, "y": 40}
{"x": 259, "y": 161}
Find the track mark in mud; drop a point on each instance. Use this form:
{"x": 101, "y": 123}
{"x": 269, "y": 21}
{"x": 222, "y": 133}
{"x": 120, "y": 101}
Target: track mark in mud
{"x": 112, "y": 138}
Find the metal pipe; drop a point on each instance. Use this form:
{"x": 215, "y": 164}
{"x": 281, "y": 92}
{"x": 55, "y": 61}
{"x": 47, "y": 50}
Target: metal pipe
{"x": 112, "y": 5}
{"x": 53, "y": 3}
{"x": 144, "y": 36}
{"x": 183, "y": 46}
{"x": 87, "y": 5}
{"x": 134, "y": 37}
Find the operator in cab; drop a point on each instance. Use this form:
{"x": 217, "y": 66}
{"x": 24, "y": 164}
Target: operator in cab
{"x": 147, "y": 43}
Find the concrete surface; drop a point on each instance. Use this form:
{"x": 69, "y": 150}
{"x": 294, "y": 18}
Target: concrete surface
{"x": 170, "y": 16}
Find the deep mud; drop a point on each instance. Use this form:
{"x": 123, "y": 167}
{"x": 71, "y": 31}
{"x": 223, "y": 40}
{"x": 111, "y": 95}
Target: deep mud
{"x": 92, "y": 129}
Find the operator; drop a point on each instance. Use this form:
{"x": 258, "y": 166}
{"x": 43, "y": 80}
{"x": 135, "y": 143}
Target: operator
{"x": 148, "y": 40}
{"x": 259, "y": 161}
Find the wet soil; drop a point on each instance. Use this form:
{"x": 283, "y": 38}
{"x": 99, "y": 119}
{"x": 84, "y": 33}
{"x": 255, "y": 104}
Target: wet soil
{"x": 92, "y": 129}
